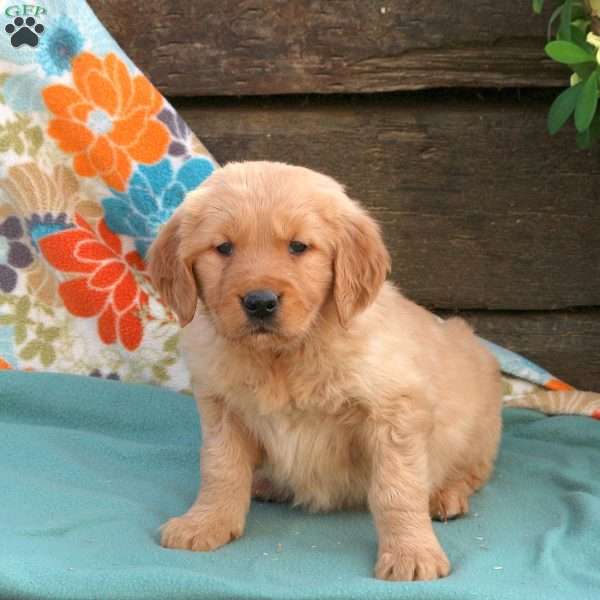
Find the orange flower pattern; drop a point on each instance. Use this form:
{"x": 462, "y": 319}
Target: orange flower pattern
{"x": 107, "y": 120}
{"x": 107, "y": 288}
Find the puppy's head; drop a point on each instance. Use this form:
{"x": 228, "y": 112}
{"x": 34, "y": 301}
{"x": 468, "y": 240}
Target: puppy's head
{"x": 266, "y": 248}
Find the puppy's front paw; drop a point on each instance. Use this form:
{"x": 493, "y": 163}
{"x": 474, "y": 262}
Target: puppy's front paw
{"x": 200, "y": 532}
{"x": 409, "y": 562}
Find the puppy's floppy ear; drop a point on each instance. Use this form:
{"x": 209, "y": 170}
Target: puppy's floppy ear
{"x": 170, "y": 275}
{"x": 361, "y": 264}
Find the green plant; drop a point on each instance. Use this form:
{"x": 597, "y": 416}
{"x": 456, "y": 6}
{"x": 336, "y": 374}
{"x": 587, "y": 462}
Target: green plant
{"x": 574, "y": 41}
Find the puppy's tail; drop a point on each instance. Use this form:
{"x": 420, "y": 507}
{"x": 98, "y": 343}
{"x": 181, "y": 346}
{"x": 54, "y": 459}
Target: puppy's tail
{"x": 573, "y": 402}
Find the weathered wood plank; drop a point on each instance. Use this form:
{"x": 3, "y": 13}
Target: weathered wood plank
{"x": 233, "y": 47}
{"x": 481, "y": 209}
{"x": 566, "y": 343}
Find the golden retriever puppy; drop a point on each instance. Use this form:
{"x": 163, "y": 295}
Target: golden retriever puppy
{"x": 315, "y": 379}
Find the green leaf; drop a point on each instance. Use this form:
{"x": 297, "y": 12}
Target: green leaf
{"x": 564, "y": 31}
{"x": 584, "y": 140}
{"x": 7, "y": 319}
{"x": 585, "y": 108}
{"x": 581, "y": 26}
{"x": 47, "y": 355}
{"x": 20, "y": 333}
{"x": 568, "y": 53}
{"x": 538, "y": 5}
{"x": 555, "y": 14}
{"x": 18, "y": 145}
{"x": 30, "y": 350}
{"x": 584, "y": 70}
{"x": 50, "y": 334}
{"x": 594, "y": 129}
{"x": 160, "y": 373}
{"x": 46, "y": 309}
{"x": 22, "y": 308}
{"x": 35, "y": 137}
{"x": 595, "y": 126}
{"x": 562, "y": 108}
{"x": 578, "y": 13}
{"x": 171, "y": 344}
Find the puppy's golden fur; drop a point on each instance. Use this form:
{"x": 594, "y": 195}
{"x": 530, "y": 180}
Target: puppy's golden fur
{"x": 356, "y": 396}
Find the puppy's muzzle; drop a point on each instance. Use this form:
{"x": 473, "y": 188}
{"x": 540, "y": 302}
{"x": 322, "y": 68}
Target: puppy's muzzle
{"x": 261, "y": 305}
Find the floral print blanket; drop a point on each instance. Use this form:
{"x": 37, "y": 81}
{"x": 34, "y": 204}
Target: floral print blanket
{"x": 92, "y": 161}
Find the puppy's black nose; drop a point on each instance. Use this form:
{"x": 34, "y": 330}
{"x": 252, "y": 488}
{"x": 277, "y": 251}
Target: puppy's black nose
{"x": 260, "y": 304}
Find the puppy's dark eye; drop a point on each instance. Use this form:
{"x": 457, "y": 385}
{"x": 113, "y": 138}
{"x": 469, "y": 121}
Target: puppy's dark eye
{"x": 226, "y": 249}
{"x": 296, "y": 247}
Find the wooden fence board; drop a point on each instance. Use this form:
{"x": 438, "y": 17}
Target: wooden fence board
{"x": 233, "y": 47}
{"x": 481, "y": 209}
{"x": 566, "y": 343}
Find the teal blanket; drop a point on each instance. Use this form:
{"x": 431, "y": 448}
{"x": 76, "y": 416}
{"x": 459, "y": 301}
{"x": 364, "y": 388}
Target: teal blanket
{"x": 93, "y": 160}
{"x": 91, "y": 468}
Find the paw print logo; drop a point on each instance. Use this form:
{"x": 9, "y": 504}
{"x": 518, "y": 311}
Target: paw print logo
{"x": 24, "y": 31}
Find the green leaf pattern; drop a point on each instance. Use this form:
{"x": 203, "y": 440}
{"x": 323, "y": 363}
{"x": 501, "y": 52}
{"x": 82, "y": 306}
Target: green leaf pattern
{"x": 59, "y": 347}
{"x": 21, "y": 136}
{"x": 44, "y": 335}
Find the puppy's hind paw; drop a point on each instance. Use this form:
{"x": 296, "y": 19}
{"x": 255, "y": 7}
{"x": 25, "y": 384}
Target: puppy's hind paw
{"x": 264, "y": 490}
{"x": 449, "y": 503}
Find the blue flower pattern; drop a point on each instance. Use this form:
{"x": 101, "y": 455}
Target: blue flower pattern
{"x": 72, "y": 16}
{"x": 41, "y": 225}
{"x": 23, "y": 91}
{"x": 154, "y": 192}
{"x": 70, "y": 27}
{"x": 7, "y": 349}
{"x": 58, "y": 46}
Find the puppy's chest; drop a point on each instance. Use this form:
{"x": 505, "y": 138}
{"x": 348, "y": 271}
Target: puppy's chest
{"x": 311, "y": 427}
{"x": 278, "y": 387}
{"x": 316, "y": 457}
